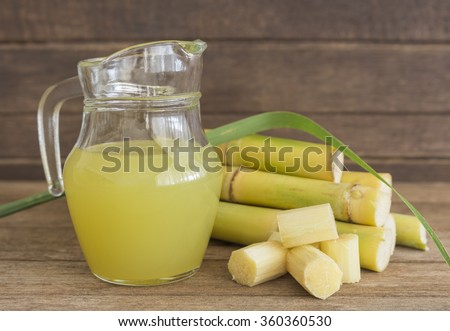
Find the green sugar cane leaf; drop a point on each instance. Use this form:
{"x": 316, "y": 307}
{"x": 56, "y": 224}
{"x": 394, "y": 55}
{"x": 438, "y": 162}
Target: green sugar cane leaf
{"x": 27, "y": 202}
{"x": 273, "y": 120}
{"x": 251, "y": 125}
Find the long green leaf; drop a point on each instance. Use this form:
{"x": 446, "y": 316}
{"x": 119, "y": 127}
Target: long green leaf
{"x": 27, "y": 202}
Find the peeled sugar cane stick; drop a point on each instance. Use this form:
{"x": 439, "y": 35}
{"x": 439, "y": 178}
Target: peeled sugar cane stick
{"x": 367, "y": 179}
{"x": 375, "y": 244}
{"x": 276, "y": 237}
{"x": 307, "y": 225}
{"x": 258, "y": 263}
{"x": 372, "y": 240}
{"x": 390, "y": 224}
{"x": 316, "y": 272}
{"x": 243, "y": 224}
{"x": 410, "y": 232}
{"x": 345, "y": 252}
{"x": 357, "y": 203}
{"x": 285, "y": 156}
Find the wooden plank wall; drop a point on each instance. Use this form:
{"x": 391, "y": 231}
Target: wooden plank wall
{"x": 376, "y": 73}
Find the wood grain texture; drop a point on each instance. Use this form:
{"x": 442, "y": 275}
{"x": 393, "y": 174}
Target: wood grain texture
{"x": 43, "y": 269}
{"x": 385, "y": 20}
{"x": 371, "y": 69}
{"x": 262, "y": 76}
{"x": 410, "y": 170}
{"x": 419, "y": 136}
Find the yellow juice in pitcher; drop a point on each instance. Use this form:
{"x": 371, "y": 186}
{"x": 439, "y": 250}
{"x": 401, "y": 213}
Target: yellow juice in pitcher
{"x": 136, "y": 225}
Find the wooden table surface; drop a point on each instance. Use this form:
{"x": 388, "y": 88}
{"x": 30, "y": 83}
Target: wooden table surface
{"x": 42, "y": 268}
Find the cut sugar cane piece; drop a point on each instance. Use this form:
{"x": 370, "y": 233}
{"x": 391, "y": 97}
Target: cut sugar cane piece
{"x": 410, "y": 232}
{"x": 374, "y": 254}
{"x": 258, "y": 263}
{"x": 345, "y": 252}
{"x": 390, "y": 224}
{"x": 374, "y": 244}
{"x": 357, "y": 203}
{"x": 243, "y": 224}
{"x": 307, "y": 225}
{"x": 275, "y": 236}
{"x": 316, "y": 272}
{"x": 285, "y": 156}
{"x": 315, "y": 245}
{"x": 367, "y": 179}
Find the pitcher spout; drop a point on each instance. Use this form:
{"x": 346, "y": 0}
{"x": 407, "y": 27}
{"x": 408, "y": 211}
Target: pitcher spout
{"x": 193, "y": 48}
{"x": 147, "y": 70}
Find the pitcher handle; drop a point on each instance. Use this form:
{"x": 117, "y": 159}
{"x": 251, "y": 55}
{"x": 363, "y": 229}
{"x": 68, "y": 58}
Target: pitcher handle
{"x": 48, "y": 130}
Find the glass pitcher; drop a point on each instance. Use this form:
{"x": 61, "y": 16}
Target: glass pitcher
{"x": 141, "y": 183}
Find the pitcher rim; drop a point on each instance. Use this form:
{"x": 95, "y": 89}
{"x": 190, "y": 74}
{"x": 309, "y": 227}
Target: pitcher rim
{"x": 199, "y": 48}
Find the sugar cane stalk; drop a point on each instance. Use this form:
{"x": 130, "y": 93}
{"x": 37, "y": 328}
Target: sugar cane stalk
{"x": 285, "y": 156}
{"x": 367, "y": 179}
{"x": 243, "y": 224}
{"x": 410, "y": 232}
{"x": 357, "y": 203}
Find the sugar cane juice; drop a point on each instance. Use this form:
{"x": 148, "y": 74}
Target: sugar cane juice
{"x": 136, "y": 225}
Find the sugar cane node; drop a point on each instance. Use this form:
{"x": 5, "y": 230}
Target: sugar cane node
{"x": 349, "y": 202}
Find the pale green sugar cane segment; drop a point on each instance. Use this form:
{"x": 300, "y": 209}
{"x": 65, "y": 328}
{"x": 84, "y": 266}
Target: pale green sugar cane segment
{"x": 243, "y": 224}
{"x": 363, "y": 205}
{"x": 273, "y": 120}
{"x": 281, "y": 155}
{"x": 410, "y": 232}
